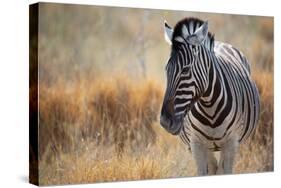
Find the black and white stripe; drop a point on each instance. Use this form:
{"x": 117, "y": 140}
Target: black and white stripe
{"x": 210, "y": 96}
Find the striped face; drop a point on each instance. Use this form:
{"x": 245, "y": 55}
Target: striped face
{"x": 186, "y": 81}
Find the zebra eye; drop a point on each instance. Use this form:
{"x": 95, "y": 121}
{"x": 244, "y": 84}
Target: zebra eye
{"x": 185, "y": 70}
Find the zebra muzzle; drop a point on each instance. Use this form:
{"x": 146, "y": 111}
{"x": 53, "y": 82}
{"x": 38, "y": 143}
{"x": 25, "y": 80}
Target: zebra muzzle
{"x": 173, "y": 125}
{"x": 168, "y": 119}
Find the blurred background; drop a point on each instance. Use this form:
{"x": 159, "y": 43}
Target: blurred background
{"x": 101, "y": 84}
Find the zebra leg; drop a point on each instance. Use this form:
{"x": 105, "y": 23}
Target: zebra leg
{"x": 200, "y": 155}
{"x": 212, "y": 163}
{"x": 227, "y": 156}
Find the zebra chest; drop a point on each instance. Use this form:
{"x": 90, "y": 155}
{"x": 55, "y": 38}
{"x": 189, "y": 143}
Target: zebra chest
{"x": 209, "y": 124}
{"x": 204, "y": 116}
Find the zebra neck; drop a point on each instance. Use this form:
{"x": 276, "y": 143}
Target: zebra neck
{"x": 215, "y": 90}
{"x": 214, "y": 99}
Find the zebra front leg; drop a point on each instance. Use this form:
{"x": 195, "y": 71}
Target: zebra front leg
{"x": 227, "y": 156}
{"x": 200, "y": 155}
{"x": 212, "y": 163}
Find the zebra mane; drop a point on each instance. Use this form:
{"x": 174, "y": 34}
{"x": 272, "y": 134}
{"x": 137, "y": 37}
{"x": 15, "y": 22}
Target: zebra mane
{"x": 192, "y": 24}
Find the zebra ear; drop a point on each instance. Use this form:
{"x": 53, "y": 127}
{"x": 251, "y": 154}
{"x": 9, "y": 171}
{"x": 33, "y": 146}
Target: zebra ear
{"x": 168, "y": 31}
{"x": 199, "y": 35}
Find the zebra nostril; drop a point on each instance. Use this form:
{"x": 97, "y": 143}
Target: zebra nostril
{"x": 167, "y": 114}
{"x": 165, "y": 122}
{"x": 170, "y": 106}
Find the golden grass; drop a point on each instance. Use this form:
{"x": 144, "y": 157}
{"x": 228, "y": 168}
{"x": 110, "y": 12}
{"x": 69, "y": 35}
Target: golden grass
{"x": 108, "y": 130}
{"x": 99, "y": 164}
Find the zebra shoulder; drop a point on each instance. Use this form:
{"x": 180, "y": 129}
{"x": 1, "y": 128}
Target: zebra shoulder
{"x": 226, "y": 50}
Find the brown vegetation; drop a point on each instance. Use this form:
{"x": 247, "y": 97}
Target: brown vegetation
{"x": 108, "y": 130}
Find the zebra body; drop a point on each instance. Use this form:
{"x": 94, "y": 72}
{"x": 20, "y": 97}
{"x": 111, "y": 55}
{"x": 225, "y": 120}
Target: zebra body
{"x": 214, "y": 131}
{"x": 210, "y": 101}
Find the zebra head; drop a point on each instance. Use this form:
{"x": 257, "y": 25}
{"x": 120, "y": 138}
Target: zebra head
{"x": 186, "y": 71}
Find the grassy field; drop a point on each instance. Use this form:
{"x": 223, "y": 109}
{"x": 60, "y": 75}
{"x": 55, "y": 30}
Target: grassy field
{"x": 110, "y": 131}
{"x": 101, "y": 89}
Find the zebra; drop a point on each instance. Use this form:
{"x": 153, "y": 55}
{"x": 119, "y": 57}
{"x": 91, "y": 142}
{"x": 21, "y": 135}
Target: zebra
{"x": 210, "y": 101}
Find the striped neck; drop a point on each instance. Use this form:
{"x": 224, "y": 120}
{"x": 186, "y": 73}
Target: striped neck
{"x": 214, "y": 86}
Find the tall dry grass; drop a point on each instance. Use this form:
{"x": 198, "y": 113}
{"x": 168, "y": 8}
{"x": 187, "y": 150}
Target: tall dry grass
{"x": 108, "y": 130}
{"x": 107, "y": 111}
{"x": 103, "y": 131}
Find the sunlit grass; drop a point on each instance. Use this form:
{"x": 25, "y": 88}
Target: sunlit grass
{"x": 109, "y": 131}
